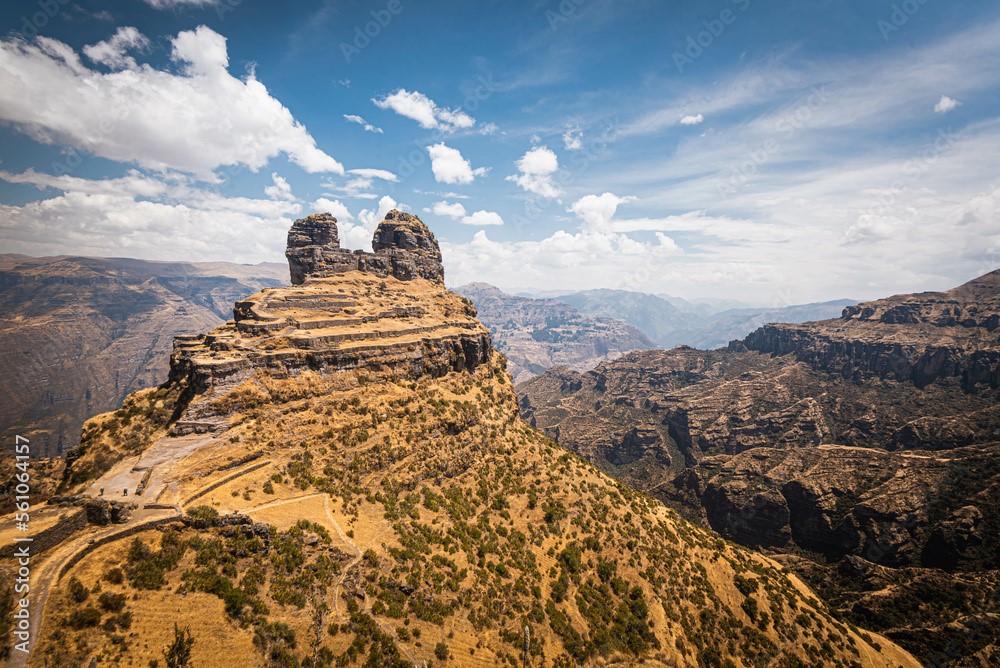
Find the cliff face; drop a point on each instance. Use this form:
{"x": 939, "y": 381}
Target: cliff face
{"x": 403, "y": 248}
{"x": 872, "y": 437}
{"x": 79, "y": 334}
{"x": 359, "y": 490}
{"x": 917, "y": 338}
{"x": 537, "y": 334}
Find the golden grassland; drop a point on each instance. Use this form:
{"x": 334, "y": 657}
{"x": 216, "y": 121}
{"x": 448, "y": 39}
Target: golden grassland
{"x": 420, "y": 520}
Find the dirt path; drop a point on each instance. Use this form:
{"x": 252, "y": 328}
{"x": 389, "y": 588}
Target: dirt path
{"x": 338, "y": 587}
{"x": 44, "y": 576}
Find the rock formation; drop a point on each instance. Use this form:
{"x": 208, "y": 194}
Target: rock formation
{"x": 340, "y": 314}
{"x": 403, "y": 248}
{"x": 391, "y": 507}
{"x": 873, "y": 437}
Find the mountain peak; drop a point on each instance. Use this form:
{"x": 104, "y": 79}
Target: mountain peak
{"x": 403, "y": 247}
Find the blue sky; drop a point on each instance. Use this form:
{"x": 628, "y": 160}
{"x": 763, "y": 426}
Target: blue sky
{"x": 774, "y": 152}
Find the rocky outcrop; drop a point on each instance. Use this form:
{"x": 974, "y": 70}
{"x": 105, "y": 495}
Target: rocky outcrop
{"x": 386, "y": 311}
{"x": 873, "y": 438}
{"x": 920, "y": 338}
{"x": 403, "y": 248}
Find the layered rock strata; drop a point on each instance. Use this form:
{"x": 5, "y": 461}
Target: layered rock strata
{"x": 386, "y": 310}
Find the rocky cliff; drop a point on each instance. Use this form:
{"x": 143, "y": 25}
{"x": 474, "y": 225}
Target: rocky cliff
{"x": 79, "y": 334}
{"x": 537, "y": 334}
{"x": 403, "y": 248}
{"x": 918, "y": 338}
{"x": 358, "y": 489}
{"x": 871, "y": 437}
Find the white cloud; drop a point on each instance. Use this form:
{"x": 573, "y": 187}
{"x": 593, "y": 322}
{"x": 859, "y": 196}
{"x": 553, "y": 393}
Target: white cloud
{"x": 358, "y": 234}
{"x": 417, "y": 106}
{"x": 195, "y": 120}
{"x": 596, "y": 211}
{"x": 945, "y": 104}
{"x": 449, "y": 166}
{"x": 489, "y": 129}
{"x": 133, "y": 183}
{"x": 138, "y": 216}
{"x": 447, "y": 209}
{"x": 360, "y": 187}
{"x": 334, "y": 207}
{"x": 573, "y": 139}
{"x": 280, "y": 189}
{"x": 113, "y": 52}
{"x": 692, "y": 119}
{"x": 446, "y": 195}
{"x": 482, "y": 218}
{"x": 537, "y": 167}
{"x": 354, "y": 118}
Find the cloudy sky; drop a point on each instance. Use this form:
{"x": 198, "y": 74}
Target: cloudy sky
{"x": 773, "y": 152}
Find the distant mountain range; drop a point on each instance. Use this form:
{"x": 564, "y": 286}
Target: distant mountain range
{"x": 862, "y": 451}
{"x": 78, "y": 334}
{"x": 537, "y": 334}
{"x": 580, "y": 329}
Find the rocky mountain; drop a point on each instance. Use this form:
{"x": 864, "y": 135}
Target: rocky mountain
{"x": 339, "y": 476}
{"x": 537, "y": 334}
{"x": 863, "y": 451}
{"x": 79, "y": 334}
{"x": 615, "y": 320}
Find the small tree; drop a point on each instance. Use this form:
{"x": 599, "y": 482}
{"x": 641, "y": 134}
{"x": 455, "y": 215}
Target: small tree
{"x": 178, "y": 654}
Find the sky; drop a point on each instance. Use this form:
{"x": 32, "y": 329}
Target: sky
{"x": 772, "y": 152}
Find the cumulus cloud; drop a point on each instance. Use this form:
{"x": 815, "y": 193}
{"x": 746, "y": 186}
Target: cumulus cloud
{"x": 194, "y": 120}
{"x": 945, "y": 104}
{"x": 536, "y": 168}
{"x": 141, "y": 216}
{"x": 280, "y": 188}
{"x": 613, "y": 259}
{"x": 420, "y": 108}
{"x": 692, "y": 119}
{"x": 573, "y": 139}
{"x": 368, "y": 127}
{"x": 449, "y": 166}
{"x": 113, "y": 52}
{"x": 596, "y": 211}
{"x": 335, "y": 208}
{"x": 447, "y": 209}
{"x": 482, "y": 218}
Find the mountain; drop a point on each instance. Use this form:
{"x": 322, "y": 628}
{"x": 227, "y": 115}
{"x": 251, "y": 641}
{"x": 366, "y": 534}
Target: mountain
{"x": 710, "y": 324}
{"x": 79, "y": 334}
{"x": 732, "y": 324}
{"x": 658, "y": 318}
{"x": 537, "y": 334}
{"x": 864, "y": 451}
{"x": 339, "y": 476}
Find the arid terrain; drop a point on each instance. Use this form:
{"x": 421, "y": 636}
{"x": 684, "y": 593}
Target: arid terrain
{"x": 861, "y": 451}
{"x": 340, "y": 476}
{"x": 77, "y": 334}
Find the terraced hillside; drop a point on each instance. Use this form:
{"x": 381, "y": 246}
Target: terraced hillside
{"x": 330, "y": 480}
